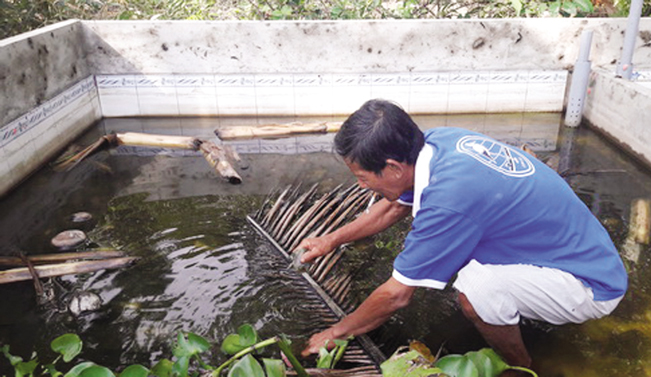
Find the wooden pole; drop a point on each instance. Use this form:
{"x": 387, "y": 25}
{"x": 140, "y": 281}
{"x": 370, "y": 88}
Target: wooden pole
{"x": 275, "y": 131}
{"x": 60, "y": 257}
{"x": 51, "y": 270}
{"x": 163, "y": 141}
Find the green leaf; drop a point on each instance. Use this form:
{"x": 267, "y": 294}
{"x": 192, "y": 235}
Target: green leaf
{"x": 77, "y": 369}
{"x": 197, "y": 344}
{"x": 12, "y": 359}
{"x": 584, "y": 6}
{"x": 410, "y": 364}
{"x": 248, "y": 335}
{"x": 26, "y": 368}
{"x": 246, "y": 367}
{"x": 163, "y": 368}
{"x": 517, "y": 5}
{"x": 457, "y": 366}
{"x": 324, "y": 361}
{"x": 274, "y": 368}
{"x": 135, "y": 370}
{"x": 231, "y": 345}
{"x": 555, "y": 7}
{"x": 68, "y": 345}
{"x": 51, "y": 370}
{"x": 96, "y": 371}
{"x": 194, "y": 344}
{"x": 487, "y": 362}
{"x": 180, "y": 367}
{"x": 569, "y": 8}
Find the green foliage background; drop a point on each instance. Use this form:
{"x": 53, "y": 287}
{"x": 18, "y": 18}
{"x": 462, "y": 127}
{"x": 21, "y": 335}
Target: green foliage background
{"x": 18, "y": 16}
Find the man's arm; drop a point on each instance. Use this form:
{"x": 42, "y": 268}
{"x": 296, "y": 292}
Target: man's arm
{"x": 380, "y": 216}
{"x": 374, "y": 311}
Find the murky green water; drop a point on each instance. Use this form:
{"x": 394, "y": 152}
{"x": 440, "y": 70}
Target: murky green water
{"x": 203, "y": 269}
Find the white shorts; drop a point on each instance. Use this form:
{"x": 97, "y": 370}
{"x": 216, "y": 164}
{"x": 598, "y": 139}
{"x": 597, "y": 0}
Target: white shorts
{"x": 500, "y": 294}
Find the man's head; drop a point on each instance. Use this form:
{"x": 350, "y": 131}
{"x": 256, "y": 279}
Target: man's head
{"x": 377, "y": 132}
{"x": 380, "y": 143}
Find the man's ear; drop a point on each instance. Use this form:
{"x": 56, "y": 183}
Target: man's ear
{"x": 395, "y": 168}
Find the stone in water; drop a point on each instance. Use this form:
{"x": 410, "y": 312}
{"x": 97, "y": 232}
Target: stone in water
{"x": 69, "y": 239}
{"x": 80, "y": 217}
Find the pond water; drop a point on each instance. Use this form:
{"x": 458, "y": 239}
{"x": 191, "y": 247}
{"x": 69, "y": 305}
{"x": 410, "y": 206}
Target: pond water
{"x": 202, "y": 268}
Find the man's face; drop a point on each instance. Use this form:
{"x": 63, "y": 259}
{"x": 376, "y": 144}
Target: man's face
{"x": 387, "y": 183}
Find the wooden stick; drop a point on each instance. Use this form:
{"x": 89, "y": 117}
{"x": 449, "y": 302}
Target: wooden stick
{"x": 163, "y": 141}
{"x": 275, "y": 131}
{"x": 217, "y": 158}
{"x": 22, "y": 274}
{"x": 60, "y": 257}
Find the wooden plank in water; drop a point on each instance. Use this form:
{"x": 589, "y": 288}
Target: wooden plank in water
{"x": 60, "y": 269}
{"x": 61, "y": 257}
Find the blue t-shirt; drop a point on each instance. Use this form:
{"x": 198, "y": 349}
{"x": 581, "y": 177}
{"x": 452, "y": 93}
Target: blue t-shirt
{"x": 476, "y": 198}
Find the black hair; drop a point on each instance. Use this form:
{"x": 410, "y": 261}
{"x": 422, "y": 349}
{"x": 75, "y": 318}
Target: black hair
{"x": 378, "y": 131}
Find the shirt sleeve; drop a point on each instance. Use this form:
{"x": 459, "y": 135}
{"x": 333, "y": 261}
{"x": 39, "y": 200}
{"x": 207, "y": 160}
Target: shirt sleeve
{"x": 407, "y": 198}
{"x": 439, "y": 244}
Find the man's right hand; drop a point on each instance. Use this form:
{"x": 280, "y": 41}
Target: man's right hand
{"x": 316, "y": 247}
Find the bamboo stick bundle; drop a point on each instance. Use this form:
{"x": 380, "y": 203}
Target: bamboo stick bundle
{"x": 60, "y": 269}
{"x": 275, "y": 131}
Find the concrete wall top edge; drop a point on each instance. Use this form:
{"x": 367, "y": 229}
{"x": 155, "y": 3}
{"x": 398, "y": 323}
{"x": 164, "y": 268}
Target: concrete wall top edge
{"x": 352, "y": 46}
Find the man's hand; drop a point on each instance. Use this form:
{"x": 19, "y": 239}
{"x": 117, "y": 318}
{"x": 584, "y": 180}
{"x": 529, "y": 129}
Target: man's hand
{"x": 374, "y": 311}
{"x": 316, "y": 247}
{"x": 319, "y": 340}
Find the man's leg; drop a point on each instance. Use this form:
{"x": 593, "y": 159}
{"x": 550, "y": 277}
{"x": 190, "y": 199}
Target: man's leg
{"x": 505, "y": 340}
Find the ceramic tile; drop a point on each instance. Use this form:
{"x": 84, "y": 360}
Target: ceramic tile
{"x": 313, "y": 94}
{"x": 391, "y": 87}
{"x": 278, "y": 100}
{"x": 318, "y": 143}
{"x": 280, "y": 146}
{"x": 350, "y": 91}
{"x": 468, "y": 92}
{"x": 543, "y": 97}
{"x": 4, "y": 170}
{"x": 506, "y": 92}
{"x": 118, "y": 95}
{"x": 235, "y": 94}
{"x": 157, "y": 95}
{"x": 429, "y": 93}
{"x": 196, "y": 95}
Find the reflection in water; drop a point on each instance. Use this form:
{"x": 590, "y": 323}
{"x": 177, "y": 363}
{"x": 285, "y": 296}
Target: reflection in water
{"x": 202, "y": 269}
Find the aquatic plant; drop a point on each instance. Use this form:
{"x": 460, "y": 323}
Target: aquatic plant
{"x": 187, "y": 349}
{"x": 418, "y": 361}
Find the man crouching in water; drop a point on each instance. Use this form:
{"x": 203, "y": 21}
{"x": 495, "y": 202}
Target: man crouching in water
{"x": 519, "y": 240}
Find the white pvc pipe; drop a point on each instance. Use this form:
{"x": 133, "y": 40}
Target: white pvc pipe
{"x": 579, "y": 84}
{"x": 625, "y": 65}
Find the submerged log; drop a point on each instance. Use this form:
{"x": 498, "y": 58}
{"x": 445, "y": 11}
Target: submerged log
{"x": 217, "y": 159}
{"x": 51, "y": 270}
{"x": 60, "y": 257}
{"x": 275, "y": 131}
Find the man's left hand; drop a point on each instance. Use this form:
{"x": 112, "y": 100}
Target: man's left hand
{"x": 319, "y": 340}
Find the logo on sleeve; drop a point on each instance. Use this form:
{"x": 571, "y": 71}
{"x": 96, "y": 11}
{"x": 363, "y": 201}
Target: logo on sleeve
{"x": 495, "y": 155}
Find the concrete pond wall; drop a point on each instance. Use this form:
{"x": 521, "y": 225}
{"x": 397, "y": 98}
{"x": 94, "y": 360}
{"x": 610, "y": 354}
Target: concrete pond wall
{"x": 58, "y": 80}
